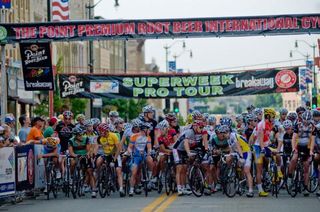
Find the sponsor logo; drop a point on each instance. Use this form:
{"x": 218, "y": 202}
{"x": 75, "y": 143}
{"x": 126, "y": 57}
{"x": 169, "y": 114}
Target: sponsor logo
{"x": 72, "y": 86}
{"x": 286, "y": 78}
{"x": 3, "y": 33}
{"x": 107, "y": 86}
{"x": 30, "y": 166}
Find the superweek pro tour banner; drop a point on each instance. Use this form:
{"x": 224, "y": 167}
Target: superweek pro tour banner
{"x": 160, "y": 28}
{"x": 180, "y": 85}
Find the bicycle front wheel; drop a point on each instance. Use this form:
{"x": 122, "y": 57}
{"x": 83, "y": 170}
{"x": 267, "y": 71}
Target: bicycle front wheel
{"x": 231, "y": 183}
{"x": 196, "y": 181}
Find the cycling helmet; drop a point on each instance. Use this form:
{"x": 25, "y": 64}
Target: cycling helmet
{"x": 136, "y": 122}
{"x": 147, "y": 109}
{"x": 300, "y": 109}
{"x": 196, "y": 115}
{"x": 127, "y": 126}
{"x": 283, "y": 111}
{"x": 113, "y": 114}
{"x": 307, "y": 116}
{"x": 270, "y": 112}
{"x": 226, "y": 121}
{"x": 212, "y": 119}
{"x": 239, "y": 118}
{"x": 222, "y": 129}
{"x": 95, "y": 121}
{"x": 80, "y": 116}
{"x": 51, "y": 142}
{"x": 162, "y": 125}
{"x": 111, "y": 127}
{"x": 103, "y": 127}
{"x": 258, "y": 111}
{"x": 287, "y": 124}
{"x": 292, "y": 116}
{"x": 206, "y": 116}
{"x": 67, "y": 114}
{"x": 77, "y": 130}
{"x": 88, "y": 123}
{"x": 315, "y": 113}
{"x": 145, "y": 125}
{"x": 250, "y": 117}
{"x": 170, "y": 117}
{"x": 250, "y": 108}
{"x": 118, "y": 121}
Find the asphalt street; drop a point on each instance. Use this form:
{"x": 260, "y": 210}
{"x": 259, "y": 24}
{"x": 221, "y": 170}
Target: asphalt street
{"x": 156, "y": 202}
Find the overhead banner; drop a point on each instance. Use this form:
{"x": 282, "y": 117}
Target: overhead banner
{"x": 160, "y": 28}
{"x": 37, "y": 66}
{"x": 180, "y": 85}
{"x": 7, "y": 171}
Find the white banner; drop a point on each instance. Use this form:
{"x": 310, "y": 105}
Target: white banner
{"x": 7, "y": 171}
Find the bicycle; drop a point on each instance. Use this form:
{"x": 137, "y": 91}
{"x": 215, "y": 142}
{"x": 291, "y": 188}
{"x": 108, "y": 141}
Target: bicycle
{"x": 228, "y": 175}
{"x": 313, "y": 178}
{"x": 298, "y": 180}
{"x": 169, "y": 175}
{"x": 126, "y": 172}
{"x": 145, "y": 176}
{"x": 66, "y": 178}
{"x": 106, "y": 179}
{"x": 78, "y": 178}
{"x": 51, "y": 178}
{"x": 196, "y": 176}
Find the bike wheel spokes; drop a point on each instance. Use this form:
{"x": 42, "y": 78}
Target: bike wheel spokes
{"x": 102, "y": 183}
{"x": 196, "y": 181}
{"x": 232, "y": 183}
{"x": 168, "y": 180}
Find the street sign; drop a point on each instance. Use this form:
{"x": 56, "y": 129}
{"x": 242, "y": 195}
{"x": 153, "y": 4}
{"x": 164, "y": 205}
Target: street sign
{"x": 5, "y": 4}
{"x": 172, "y": 66}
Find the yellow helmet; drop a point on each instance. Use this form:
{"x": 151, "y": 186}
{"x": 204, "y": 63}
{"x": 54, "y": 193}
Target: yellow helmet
{"x": 270, "y": 111}
{"x": 189, "y": 119}
{"x": 51, "y": 142}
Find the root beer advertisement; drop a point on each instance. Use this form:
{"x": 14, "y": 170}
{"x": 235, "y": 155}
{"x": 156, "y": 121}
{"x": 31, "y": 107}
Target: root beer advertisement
{"x": 180, "y": 85}
{"x": 161, "y": 28}
{"x": 37, "y": 67}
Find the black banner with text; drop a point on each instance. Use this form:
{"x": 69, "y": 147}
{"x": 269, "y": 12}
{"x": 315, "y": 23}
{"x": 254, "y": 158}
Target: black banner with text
{"x": 37, "y": 66}
{"x": 160, "y": 28}
{"x": 180, "y": 85}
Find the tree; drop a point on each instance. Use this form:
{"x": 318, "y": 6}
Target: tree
{"x": 268, "y": 100}
{"x": 128, "y": 108}
{"x": 42, "y": 109}
{"x": 219, "y": 109}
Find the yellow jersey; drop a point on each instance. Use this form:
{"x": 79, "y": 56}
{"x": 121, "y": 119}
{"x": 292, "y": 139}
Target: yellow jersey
{"x": 243, "y": 143}
{"x": 109, "y": 143}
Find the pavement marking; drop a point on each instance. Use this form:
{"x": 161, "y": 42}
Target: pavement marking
{"x": 155, "y": 203}
{"x": 166, "y": 203}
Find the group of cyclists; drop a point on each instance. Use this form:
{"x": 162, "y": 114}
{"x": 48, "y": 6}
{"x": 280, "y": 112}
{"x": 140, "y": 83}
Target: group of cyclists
{"x": 250, "y": 137}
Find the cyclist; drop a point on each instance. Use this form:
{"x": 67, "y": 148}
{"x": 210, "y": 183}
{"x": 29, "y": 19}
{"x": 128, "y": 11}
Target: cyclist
{"x": 292, "y": 116}
{"x": 261, "y": 147}
{"x": 300, "y": 110}
{"x": 80, "y": 118}
{"x": 111, "y": 147}
{"x": 303, "y": 142}
{"x": 188, "y": 140}
{"x": 252, "y": 122}
{"x": 317, "y": 151}
{"x": 51, "y": 148}
{"x": 148, "y": 117}
{"x": 210, "y": 128}
{"x": 118, "y": 125}
{"x": 240, "y": 127}
{"x": 283, "y": 115}
{"x": 95, "y": 122}
{"x": 285, "y": 144}
{"x": 64, "y": 130}
{"x": 258, "y": 112}
{"x": 250, "y": 109}
{"x": 113, "y": 115}
{"x": 140, "y": 147}
{"x": 130, "y": 129}
{"x": 79, "y": 146}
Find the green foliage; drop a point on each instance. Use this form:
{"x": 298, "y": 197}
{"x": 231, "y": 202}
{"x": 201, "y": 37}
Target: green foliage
{"x": 42, "y": 109}
{"x": 127, "y": 108}
{"x": 78, "y": 105}
{"x": 268, "y": 100}
{"x": 220, "y": 109}
{"x": 181, "y": 121}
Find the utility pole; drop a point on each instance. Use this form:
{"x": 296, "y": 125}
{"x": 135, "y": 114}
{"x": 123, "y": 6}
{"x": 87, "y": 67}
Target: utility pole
{"x": 4, "y": 89}
{"x": 51, "y": 110}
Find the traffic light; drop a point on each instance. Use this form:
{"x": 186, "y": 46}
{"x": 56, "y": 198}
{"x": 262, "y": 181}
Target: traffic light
{"x": 176, "y": 107}
{"x": 314, "y": 102}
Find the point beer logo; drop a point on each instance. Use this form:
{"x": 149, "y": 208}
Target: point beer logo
{"x": 286, "y": 78}
{"x": 3, "y": 33}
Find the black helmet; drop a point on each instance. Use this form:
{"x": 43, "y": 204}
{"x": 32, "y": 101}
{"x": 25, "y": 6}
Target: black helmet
{"x": 78, "y": 130}
{"x": 300, "y": 109}
{"x": 145, "y": 125}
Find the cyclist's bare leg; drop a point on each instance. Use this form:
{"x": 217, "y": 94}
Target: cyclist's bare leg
{"x": 134, "y": 175}
{"x": 119, "y": 174}
{"x": 247, "y": 172}
{"x": 306, "y": 167}
{"x": 293, "y": 163}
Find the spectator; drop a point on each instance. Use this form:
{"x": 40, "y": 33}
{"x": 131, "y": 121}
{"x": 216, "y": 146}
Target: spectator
{"x": 11, "y": 122}
{"x": 35, "y": 135}
{"x": 49, "y": 131}
{"x": 25, "y": 128}
{"x": 5, "y": 139}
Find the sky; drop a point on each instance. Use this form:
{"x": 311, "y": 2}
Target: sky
{"x": 219, "y": 54}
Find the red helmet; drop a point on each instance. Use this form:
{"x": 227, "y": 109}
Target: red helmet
{"x": 103, "y": 127}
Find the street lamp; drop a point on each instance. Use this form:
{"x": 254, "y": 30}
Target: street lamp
{"x": 314, "y": 91}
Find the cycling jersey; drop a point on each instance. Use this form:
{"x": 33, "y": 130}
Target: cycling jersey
{"x": 108, "y": 143}
{"x": 79, "y": 148}
{"x": 140, "y": 142}
{"x": 220, "y": 145}
{"x": 210, "y": 130}
{"x": 194, "y": 139}
{"x": 166, "y": 141}
{"x": 65, "y": 134}
{"x": 287, "y": 145}
{"x": 265, "y": 127}
{"x": 153, "y": 124}
{"x": 304, "y": 134}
